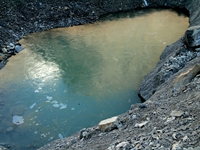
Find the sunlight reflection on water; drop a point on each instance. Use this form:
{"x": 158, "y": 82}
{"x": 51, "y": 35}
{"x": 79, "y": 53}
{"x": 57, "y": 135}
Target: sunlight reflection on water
{"x": 71, "y": 78}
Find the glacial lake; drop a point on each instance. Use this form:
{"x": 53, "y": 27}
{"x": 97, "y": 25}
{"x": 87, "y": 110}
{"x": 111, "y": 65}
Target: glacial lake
{"x": 71, "y": 78}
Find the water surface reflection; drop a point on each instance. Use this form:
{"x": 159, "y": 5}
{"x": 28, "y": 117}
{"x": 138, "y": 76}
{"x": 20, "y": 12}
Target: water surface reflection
{"x": 68, "y": 79}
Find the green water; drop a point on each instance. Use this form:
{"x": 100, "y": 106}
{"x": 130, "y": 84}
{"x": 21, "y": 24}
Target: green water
{"x": 71, "y": 78}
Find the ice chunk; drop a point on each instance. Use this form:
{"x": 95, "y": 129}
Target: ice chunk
{"x": 36, "y": 91}
{"x": 49, "y": 98}
{"x": 60, "y": 136}
{"x": 62, "y": 106}
{"x": 56, "y": 105}
{"x": 18, "y": 120}
{"x": 54, "y": 102}
{"x": 31, "y": 107}
{"x": 146, "y": 3}
{"x": 72, "y": 108}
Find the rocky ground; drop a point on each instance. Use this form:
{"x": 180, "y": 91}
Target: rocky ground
{"x": 169, "y": 119}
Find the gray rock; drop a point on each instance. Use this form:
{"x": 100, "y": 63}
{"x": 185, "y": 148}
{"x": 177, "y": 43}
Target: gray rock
{"x": 123, "y": 146}
{"x": 10, "y": 46}
{"x": 18, "y": 48}
{"x": 192, "y": 36}
{"x": 176, "y": 113}
{"x": 4, "y": 50}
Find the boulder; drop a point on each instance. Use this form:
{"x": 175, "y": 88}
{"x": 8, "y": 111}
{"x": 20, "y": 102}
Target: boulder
{"x": 109, "y": 124}
{"x": 192, "y": 36}
{"x": 186, "y": 77}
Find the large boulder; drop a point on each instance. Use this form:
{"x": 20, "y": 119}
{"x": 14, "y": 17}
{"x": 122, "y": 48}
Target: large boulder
{"x": 109, "y": 124}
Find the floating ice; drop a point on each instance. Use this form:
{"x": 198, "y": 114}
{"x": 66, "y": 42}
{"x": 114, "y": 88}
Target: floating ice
{"x": 60, "y": 136}
{"x": 56, "y": 105}
{"x": 62, "y": 106}
{"x": 72, "y": 108}
{"x": 18, "y": 120}
{"x": 31, "y": 107}
{"x": 51, "y": 138}
{"x": 54, "y": 102}
{"x": 49, "y": 98}
{"x": 36, "y": 91}
{"x": 146, "y": 4}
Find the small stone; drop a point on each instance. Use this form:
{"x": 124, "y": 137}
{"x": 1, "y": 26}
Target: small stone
{"x": 10, "y": 46}
{"x": 18, "y": 48}
{"x": 176, "y": 113}
{"x": 169, "y": 119}
{"x": 123, "y": 146}
{"x": 140, "y": 125}
{"x": 134, "y": 117}
{"x": 4, "y": 50}
{"x": 185, "y": 138}
{"x": 176, "y": 146}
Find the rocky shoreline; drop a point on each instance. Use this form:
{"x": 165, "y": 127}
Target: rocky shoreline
{"x": 168, "y": 120}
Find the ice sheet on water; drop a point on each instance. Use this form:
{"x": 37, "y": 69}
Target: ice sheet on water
{"x": 31, "y": 107}
{"x": 18, "y": 120}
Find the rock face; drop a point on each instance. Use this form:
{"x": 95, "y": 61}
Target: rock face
{"x": 109, "y": 124}
{"x": 186, "y": 77}
{"x": 193, "y": 36}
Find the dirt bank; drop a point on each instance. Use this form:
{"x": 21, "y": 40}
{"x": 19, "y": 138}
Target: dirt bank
{"x": 169, "y": 119}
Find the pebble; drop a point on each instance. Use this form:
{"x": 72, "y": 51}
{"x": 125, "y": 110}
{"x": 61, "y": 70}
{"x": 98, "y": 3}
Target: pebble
{"x": 176, "y": 113}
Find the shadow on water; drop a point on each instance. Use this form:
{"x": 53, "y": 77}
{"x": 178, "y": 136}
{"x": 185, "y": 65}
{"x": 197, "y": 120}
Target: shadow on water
{"x": 81, "y": 74}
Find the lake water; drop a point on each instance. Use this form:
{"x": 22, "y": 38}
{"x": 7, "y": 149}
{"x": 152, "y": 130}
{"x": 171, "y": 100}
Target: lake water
{"x": 71, "y": 78}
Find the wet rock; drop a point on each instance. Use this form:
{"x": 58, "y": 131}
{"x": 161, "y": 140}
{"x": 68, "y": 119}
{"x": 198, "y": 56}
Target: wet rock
{"x": 3, "y": 148}
{"x": 109, "y": 124}
{"x": 18, "y": 48}
{"x": 9, "y": 129}
{"x": 192, "y": 36}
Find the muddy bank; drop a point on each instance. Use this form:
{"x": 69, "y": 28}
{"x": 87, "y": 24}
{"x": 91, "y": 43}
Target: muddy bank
{"x": 169, "y": 119}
